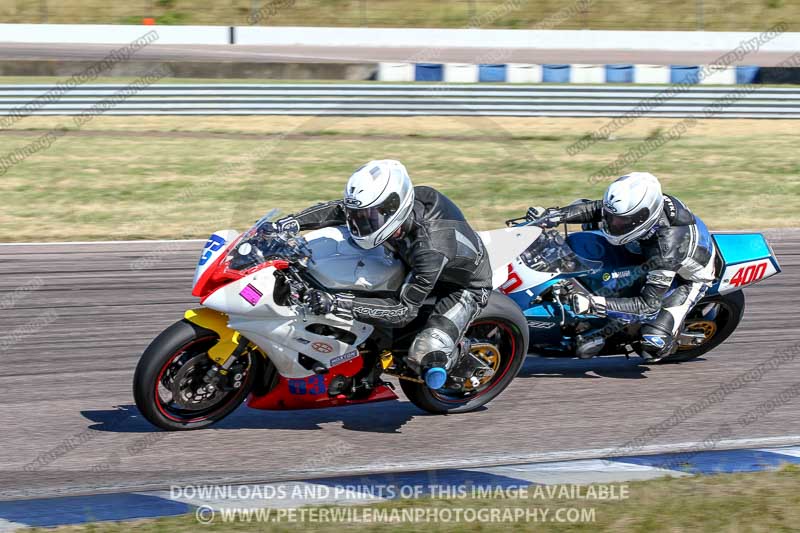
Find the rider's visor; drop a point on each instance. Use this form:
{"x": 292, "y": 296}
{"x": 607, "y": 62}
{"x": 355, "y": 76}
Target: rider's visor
{"x": 623, "y": 224}
{"x": 363, "y": 221}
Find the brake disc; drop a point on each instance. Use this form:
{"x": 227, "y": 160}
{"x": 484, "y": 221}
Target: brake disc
{"x": 188, "y": 389}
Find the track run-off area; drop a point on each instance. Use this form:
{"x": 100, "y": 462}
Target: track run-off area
{"x": 77, "y": 316}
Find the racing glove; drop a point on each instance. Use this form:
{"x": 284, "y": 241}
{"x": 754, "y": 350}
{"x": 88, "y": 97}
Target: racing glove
{"x": 588, "y": 305}
{"x": 288, "y": 225}
{"x": 545, "y": 218}
{"x": 323, "y": 303}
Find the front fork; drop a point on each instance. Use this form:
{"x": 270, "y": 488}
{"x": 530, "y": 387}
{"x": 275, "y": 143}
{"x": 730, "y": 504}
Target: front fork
{"x": 227, "y": 371}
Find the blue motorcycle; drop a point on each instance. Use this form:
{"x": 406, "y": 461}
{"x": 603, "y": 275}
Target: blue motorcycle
{"x": 542, "y": 279}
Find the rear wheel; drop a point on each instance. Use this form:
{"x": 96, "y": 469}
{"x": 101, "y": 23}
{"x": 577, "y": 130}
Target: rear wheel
{"x": 168, "y": 384}
{"x": 499, "y": 338}
{"x": 715, "y": 318}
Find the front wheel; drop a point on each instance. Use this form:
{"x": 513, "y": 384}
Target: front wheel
{"x": 499, "y": 338}
{"x": 716, "y": 318}
{"x": 168, "y": 384}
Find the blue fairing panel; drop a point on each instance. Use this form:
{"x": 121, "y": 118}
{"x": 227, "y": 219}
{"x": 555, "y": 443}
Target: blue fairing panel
{"x": 741, "y": 247}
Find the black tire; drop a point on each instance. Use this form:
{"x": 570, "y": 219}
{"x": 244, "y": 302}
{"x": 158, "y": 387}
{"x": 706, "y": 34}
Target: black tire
{"x": 502, "y": 312}
{"x": 732, "y": 307}
{"x": 181, "y": 339}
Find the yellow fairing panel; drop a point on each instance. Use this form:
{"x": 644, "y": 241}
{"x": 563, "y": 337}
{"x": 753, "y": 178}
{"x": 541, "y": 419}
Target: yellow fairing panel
{"x": 218, "y": 323}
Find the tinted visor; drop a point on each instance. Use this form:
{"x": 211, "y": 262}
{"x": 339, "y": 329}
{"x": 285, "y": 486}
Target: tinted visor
{"x": 617, "y": 225}
{"x": 367, "y": 220}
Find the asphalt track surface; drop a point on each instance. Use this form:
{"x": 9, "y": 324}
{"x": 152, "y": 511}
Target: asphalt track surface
{"x": 314, "y": 54}
{"x": 76, "y": 318}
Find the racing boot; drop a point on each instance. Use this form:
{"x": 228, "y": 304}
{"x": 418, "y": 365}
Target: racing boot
{"x": 436, "y": 364}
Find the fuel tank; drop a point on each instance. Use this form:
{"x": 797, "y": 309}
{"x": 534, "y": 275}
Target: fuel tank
{"x": 340, "y": 265}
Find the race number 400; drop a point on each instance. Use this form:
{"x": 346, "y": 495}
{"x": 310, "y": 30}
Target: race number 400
{"x": 749, "y": 274}
{"x": 738, "y": 276}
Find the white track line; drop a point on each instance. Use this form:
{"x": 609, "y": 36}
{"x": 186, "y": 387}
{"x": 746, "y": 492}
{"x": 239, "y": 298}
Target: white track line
{"x": 498, "y": 460}
{"x": 570, "y": 455}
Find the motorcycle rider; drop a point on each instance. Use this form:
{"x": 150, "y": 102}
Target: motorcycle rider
{"x": 429, "y": 233}
{"x": 678, "y": 252}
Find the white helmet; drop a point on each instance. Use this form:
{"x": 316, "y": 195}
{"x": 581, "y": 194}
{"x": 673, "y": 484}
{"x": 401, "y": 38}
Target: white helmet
{"x": 631, "y": 207}
{"x": 378, "y": 198}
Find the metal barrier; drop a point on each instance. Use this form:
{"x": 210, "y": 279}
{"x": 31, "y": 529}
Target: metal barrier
{"x": 743, "y": 101}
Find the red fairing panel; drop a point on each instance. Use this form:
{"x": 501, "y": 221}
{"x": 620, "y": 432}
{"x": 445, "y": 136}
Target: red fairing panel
{"x": 312, "y": 392}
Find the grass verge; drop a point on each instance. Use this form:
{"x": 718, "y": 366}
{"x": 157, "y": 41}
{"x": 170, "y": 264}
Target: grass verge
{"x": 765, "y": 501}
{"x": 177, "y": 177}
{"x": 725, "y": 15}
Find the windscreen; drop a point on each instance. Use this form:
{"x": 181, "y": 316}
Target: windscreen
{"x": 260, "y": 244}
{"x": 551, "y": 253}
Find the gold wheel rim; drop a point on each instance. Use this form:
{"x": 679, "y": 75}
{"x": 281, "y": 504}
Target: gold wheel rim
{"x": 706, "y": 327}
{"x": 489, "y": 354}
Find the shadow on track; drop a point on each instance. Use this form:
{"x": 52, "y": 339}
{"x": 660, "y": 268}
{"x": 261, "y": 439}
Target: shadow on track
{"x": 382, "y": 417}
{"x": 595, "y": 368}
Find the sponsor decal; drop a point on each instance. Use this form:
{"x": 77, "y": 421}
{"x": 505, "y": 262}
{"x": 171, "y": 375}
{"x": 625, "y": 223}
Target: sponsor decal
{"x": 606, "y": 276}
{"x": 322, "y": 347}
{"x": 670, "y": 205}
{"x": 312, "y": 385}
{"x": 380, "y": 313}
{"x": 621, "y": 274}
{"x": 251, "y": 295}
{"x": 352, "y": 202}
{"x": 344, "y": 357}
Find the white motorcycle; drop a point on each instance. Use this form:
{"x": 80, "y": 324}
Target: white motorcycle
{"x": 254, "y": 335}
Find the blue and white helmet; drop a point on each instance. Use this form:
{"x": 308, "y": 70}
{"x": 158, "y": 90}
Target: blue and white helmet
{"x": 378, "y": 198}
{"x": 632, "y": 206}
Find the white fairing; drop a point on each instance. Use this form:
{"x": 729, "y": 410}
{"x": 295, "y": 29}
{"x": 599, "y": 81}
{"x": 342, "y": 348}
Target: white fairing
{"x": 284, "y": 332}
{"x": 740, "y": 275}
{"x": 281, "y": 331}
{"x": 504, "y": 245}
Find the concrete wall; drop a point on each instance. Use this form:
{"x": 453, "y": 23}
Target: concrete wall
{"x": 542, "y": 39}
{"x": 431, "y": 38}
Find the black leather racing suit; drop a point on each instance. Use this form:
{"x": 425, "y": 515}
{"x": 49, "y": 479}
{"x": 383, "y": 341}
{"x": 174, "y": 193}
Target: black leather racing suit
{"x": 679, "y": 258}
{"x": 441, "y": 251}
